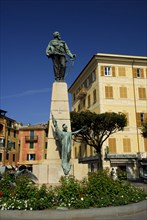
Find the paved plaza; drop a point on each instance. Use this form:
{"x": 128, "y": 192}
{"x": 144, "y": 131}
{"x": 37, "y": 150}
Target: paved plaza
{"x": 133, "y": 211}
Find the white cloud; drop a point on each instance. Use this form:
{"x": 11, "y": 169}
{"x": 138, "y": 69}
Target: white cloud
{"x": 27, "y": 93}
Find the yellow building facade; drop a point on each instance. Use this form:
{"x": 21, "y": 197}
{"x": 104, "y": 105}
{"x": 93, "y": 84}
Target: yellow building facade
{"x": 115, "y": 83}
{"x": 9, "y": 142}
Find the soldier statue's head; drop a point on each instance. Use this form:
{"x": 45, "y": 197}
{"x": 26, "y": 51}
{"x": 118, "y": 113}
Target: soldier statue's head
{"x": 56, "y": 34}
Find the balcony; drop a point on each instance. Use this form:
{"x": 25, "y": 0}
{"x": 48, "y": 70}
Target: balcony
{"x": 82, "y": 93}
{"x": 31, "y": 138}
{"x": 2, "y": 145}
{"x": 88, "y": 159}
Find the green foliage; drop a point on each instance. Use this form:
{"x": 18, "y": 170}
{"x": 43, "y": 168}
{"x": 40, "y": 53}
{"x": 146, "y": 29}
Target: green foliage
{"x": 98, "y": 190}
{"x": 6, "y": 186}
{"x": 99, "y": 126}
{"x": 122, "y": 175}
{"x": 106, "y": 192}
{"x": 25, "y": 189}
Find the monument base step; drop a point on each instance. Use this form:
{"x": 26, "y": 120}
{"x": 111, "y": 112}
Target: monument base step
{"x": 50, "y": 171}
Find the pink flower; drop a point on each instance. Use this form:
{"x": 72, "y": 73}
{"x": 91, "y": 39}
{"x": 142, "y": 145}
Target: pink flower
{"x": 1, "y": 193}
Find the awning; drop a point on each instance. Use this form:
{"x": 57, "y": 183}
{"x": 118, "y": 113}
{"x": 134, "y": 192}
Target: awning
{"x": 143, "y": 163}
{"x": 9, "y": 166}
{"x": 122, "y": 161}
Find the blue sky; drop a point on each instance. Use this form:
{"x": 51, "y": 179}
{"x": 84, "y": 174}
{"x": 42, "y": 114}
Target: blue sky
{"x": 87, "y": 26}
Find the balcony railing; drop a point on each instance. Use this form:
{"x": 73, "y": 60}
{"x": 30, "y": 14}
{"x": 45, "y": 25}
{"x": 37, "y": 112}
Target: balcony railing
{"x": 31, "y": 138}
{"x": 82, "y": 93}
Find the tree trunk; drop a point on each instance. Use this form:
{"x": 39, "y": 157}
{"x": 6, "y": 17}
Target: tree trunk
{"x": 100, "y": 161}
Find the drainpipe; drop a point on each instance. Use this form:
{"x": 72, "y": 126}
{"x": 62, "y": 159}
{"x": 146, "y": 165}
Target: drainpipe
{"x": 135, "y": 108}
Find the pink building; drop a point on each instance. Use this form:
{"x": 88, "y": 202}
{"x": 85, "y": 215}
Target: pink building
{"x": 33, "y": 144}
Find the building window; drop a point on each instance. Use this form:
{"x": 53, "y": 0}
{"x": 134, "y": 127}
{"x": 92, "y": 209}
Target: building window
{"x": 108, "y": 92}
{"x": 83, "y": 104}
{"x": 14, "y": 145}
{"x": 74, "y": 97}
{"x": 14, "y": 133}
{"x": 46, "y": 145}
{"x": 94, "y": 96}
{"x": 126, "y": 145}
{"x": 88, "y": 101}
{"x": 32, "y": 138}
{"x": 0, "y": 156}
{"x": 112, "y": 145}
{"x": 31, "y": 157}
{"x": 13, "y": 158}
{"x": 123, "y": 92}
{"x": 142, "y": 93}
{"x": 140, "y": 118}
{"x": 93, "y": 76}
{"x": 45, "y": 156}
{"x": 108, "y": 71}
{"x": 88, "y": 83}
{"x": 32, "y": 134}
{"x": 31, "y": 145}
{"x": 138, "y": 72}
{"x": 9, "y": 131}
{"x": 121, "y": 71}
{"x": 7, "y": 156}
{"x": 85, "y": 84}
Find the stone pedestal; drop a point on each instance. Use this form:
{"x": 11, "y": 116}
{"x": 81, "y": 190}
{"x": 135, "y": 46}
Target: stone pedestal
{"x": 50, "y": 170}
{"x": 60, "y": 110}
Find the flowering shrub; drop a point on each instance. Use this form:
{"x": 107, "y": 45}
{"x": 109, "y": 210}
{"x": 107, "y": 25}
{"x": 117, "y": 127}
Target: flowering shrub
{"x": 25, "y": 195}
{"x": 6, "y": 186}
{"x": 71, "y": 193}
{"x": 106, "y": 192}
{"x": 98, "y": 190}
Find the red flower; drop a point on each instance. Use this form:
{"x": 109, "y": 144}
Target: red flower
{"x": 81, "y": 194}
{"x": 12, "y": 193}
{"x": 1, "y": 193}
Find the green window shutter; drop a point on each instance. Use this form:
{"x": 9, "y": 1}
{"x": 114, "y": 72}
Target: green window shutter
{"x": 32, "y": 138}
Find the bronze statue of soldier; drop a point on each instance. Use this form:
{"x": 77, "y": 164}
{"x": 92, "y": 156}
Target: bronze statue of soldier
{"x": 57, "y": 50}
